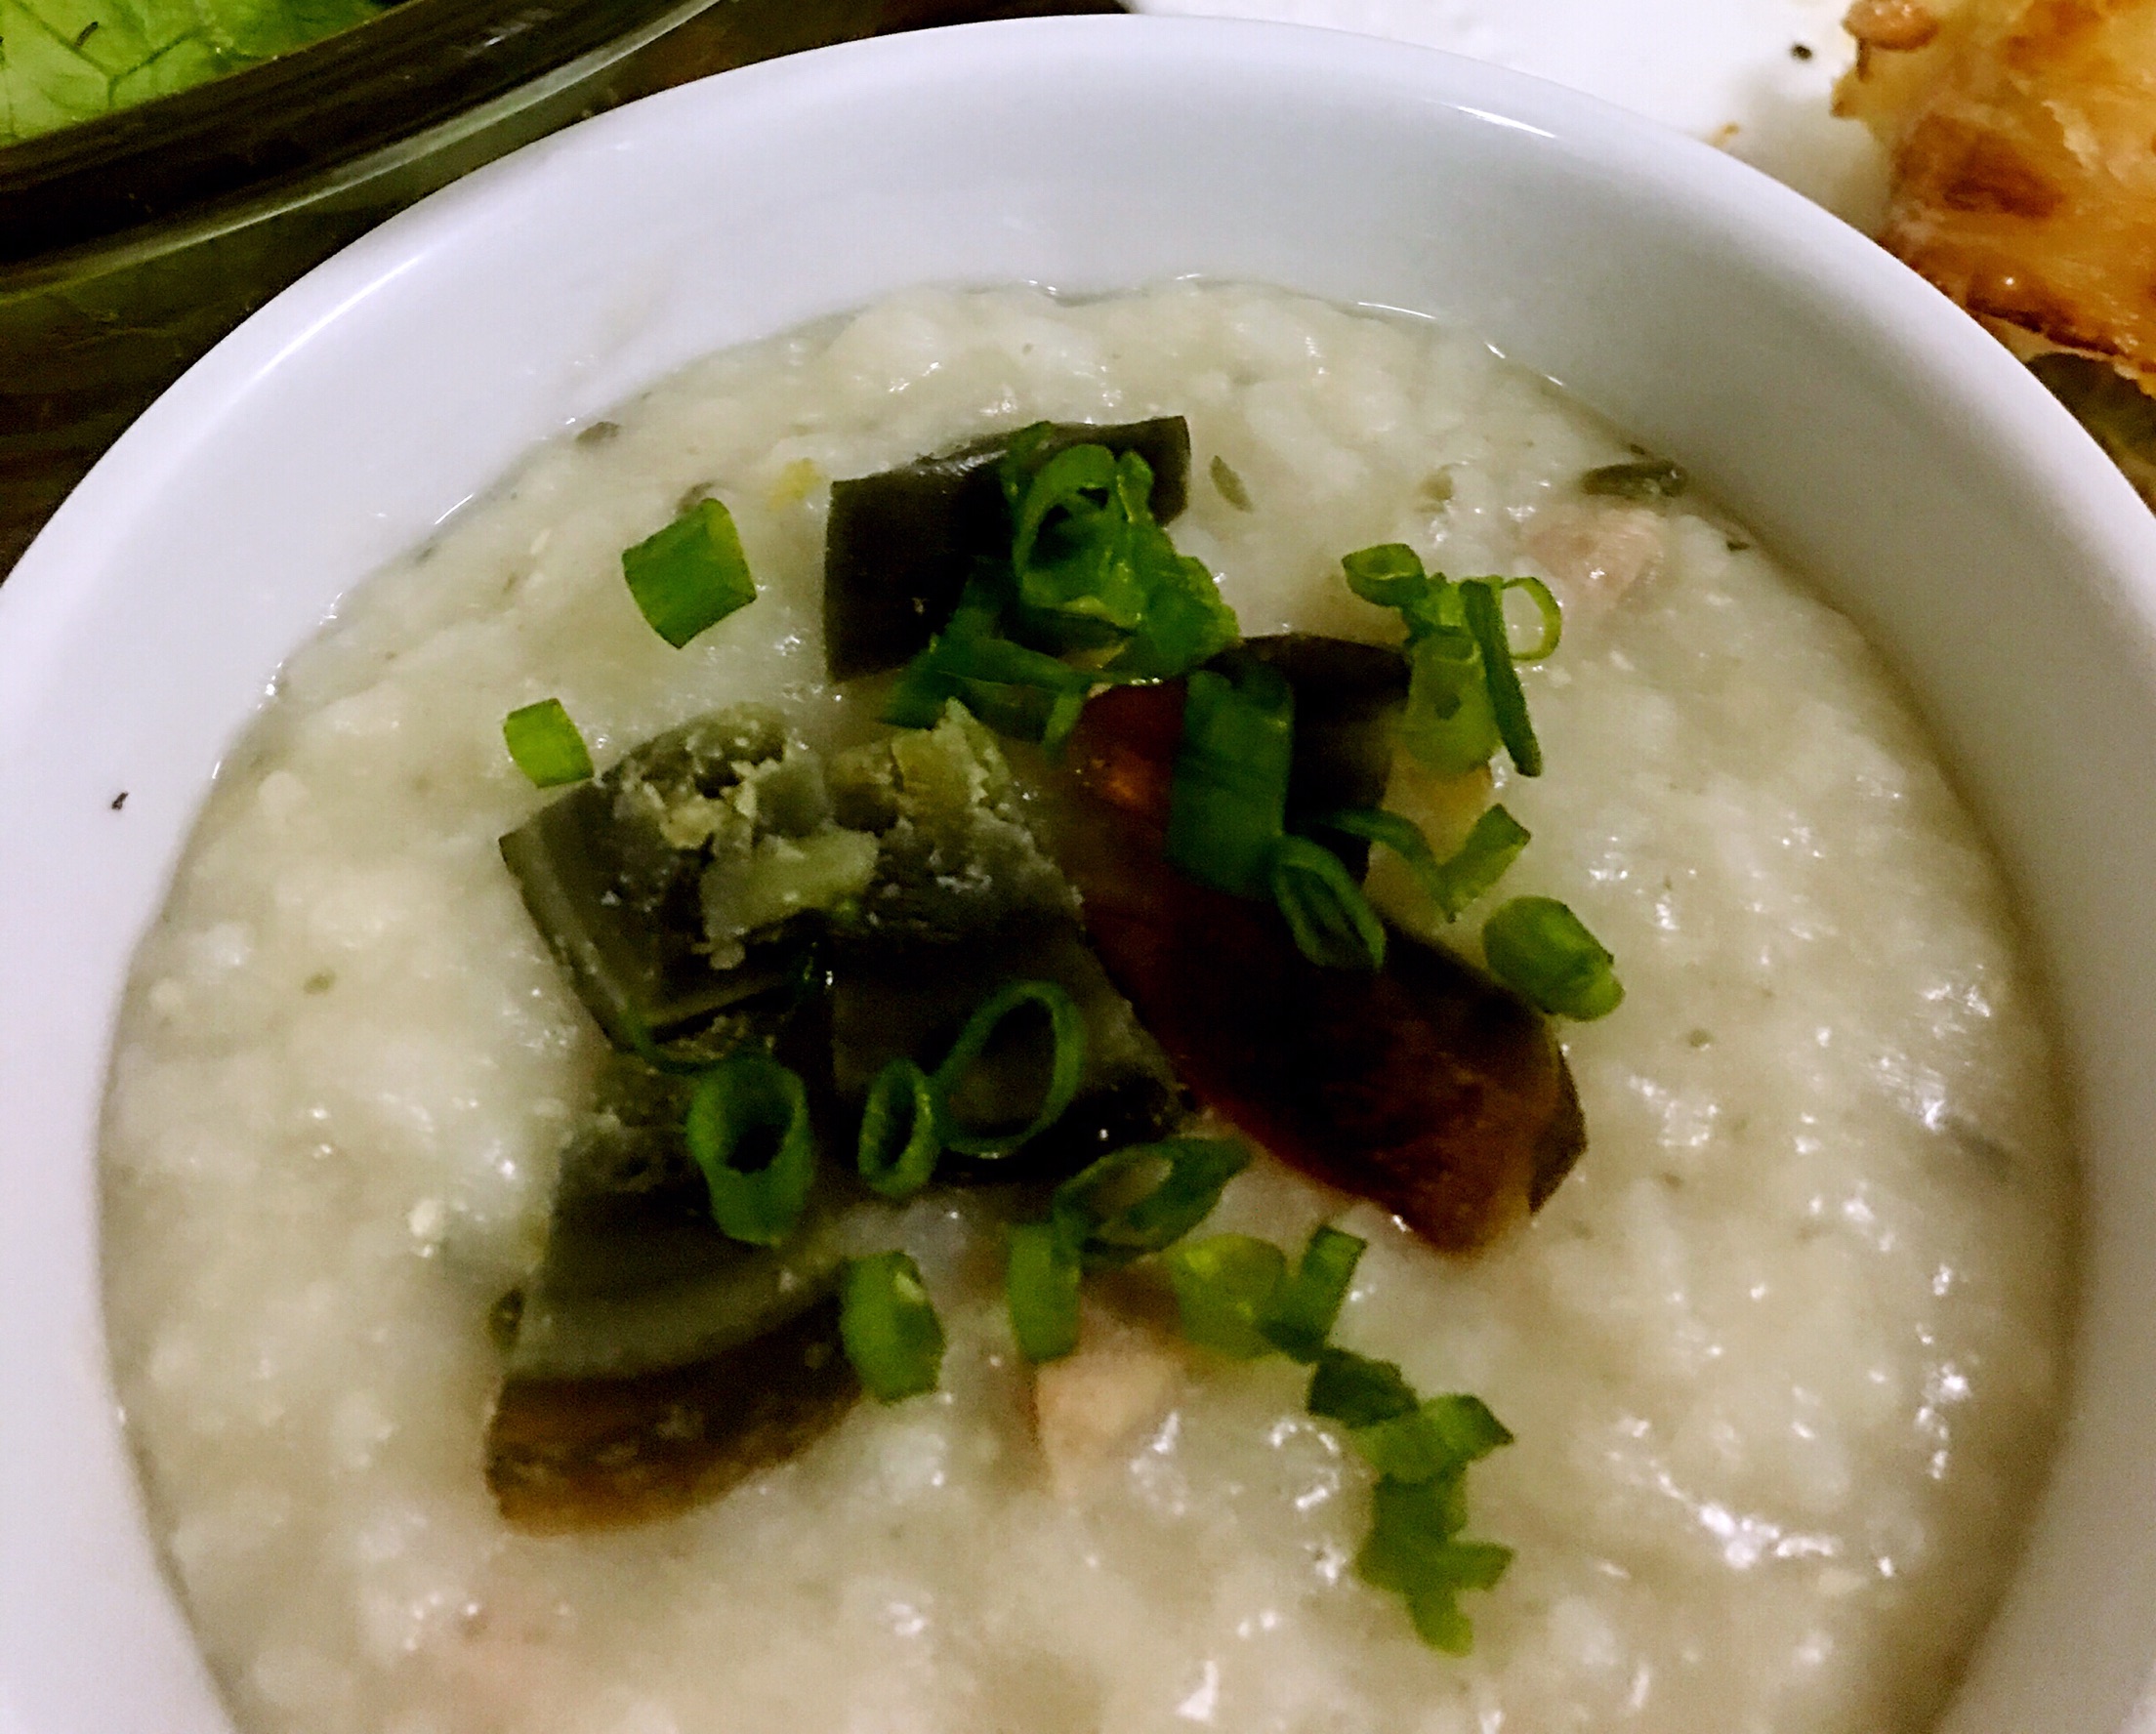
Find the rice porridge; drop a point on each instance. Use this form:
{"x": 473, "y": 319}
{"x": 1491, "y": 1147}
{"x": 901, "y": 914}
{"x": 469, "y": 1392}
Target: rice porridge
{"x": 1781, "y": 1356}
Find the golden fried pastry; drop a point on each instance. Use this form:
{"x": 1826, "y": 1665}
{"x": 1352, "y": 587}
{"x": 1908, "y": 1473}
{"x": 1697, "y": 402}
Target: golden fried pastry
{"x": 2024, "y": 142}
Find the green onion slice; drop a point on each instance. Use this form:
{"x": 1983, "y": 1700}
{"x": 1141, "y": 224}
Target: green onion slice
{"x": 1224, "y": 1285}
{"x": 1090, "y": 569}
{"x": 1094, "y": 569}
{"x": 901, "y": 1100}
{"x": 1357, "y": 1391}
{"x": 889, "y": 1325}
{"x": 1489, "y": 848}
{"x": 1332, "y": 920}
{"x": 1063, "y": 713}
{"x": 691, "y": 575}
{"x": 1449, "y": 723}
{"x": 747, "y": 1095}
{"x": 1553, "y": 619}
{"x": 1440, "y": 1437}
{"x": 1540, "y": 947}
{"x": 1229, "y": 802}
{"x": 1012, "y": 689}
{"x": 1041, "y": 1286}
{"x": 1485, "y": 616}
{"x": 1146, "y": 1198}
{"x": 1066, "y": 1026}
{"x": 1389, "y": 576}
{"x": 1303, "y": 1308}
{"x": 545, "y": 743}
{"x": 1413, "y": 1549}
{"x": 1419, "y": 1505}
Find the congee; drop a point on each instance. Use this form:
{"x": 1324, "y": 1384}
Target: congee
{"x": 797, "y": 1082}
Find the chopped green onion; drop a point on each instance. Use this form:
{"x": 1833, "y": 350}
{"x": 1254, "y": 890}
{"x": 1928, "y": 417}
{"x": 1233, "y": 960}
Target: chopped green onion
{"x": 1304, "y": 1307}
{"x": 546, "y": 745}
{"x": 1042, "y": 1289}
{"x": 746, "y": 1094}
{"x": 1463, "y": 697}
{"x": 1412, "y": 1522}
{"x": 1332, "y": 920}
{"x": 1389, "y": 576}
{"x": 889, "y": 1325}
{"x": 902, "y": 1099}
{"x": 1090, "y": 570}
{"x": 1146, "y": 1198}
{"x": 1491, "y": 846}
{"x": 1186, "y": 624}
{"x": 1644, "y": 478}
{"x": 1419, "y": 1505}
{"x": 1440, "y": 1437}
{"x": 1449, "y": 724}
{"x": 1553, "y": 619}
{"x": 1064, "y": 714}
{"x": 1066, "y": 1026}
{"x": 1224, "y": 1284}
{"x": 1229, "y": 802}
{"x": 1228, "y": 485}
{"x": 1413, "y": 1551}
{"x": 1485, "y": 616}
{"x": 1540, "y": 948}
{"x": 690, "y": 575}
{"x": 1093, "y": 567}
{"x": 1357, "y": 1391}
{"x": 1016, "y": 690}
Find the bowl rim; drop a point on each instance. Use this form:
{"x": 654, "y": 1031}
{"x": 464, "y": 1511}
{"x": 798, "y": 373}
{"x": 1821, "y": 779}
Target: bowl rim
{"x": 44, "y": 599}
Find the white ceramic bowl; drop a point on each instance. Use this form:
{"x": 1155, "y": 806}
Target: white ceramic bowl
{"x": 1848, "y": 412}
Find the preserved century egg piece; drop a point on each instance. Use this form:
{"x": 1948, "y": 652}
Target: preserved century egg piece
{"x": 1426, "y": 1086}
{"x": 668, "y": 887}
{"x": 651, "y": 1361}
{"x": 635, "y": 1277}
{"x": 597, "y": 1453}
{"x": 964, "y": 901}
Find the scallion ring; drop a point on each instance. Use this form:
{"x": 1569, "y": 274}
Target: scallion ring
{"x": 1486, "y": 617}
{"x": 1448, "y": 725}
{"x": 1041, "y": 1287}
{"x": 1146, "y": 1198}
{"x": 1553, "y": 619}
{"x": 901, "y": 1137}
{"x": 1224, "y": 1284}
{"x": 690, "y": 575}
{"x": 1229, "y": 798}
{"x": 1332, "y": 920}
{"x": 1303, "y": 1308}
{"x": 1066, "y": 1027}
{"x": 1491, "y": 846}
{"x": 746, "y": 1094}
{"x": 889, "y": 1325}
{"x": 1390, "y": 575}
{"x": 1540, "y": 947}
{"x": 1068, "y": 481}
{"x": 544, "y": 741}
